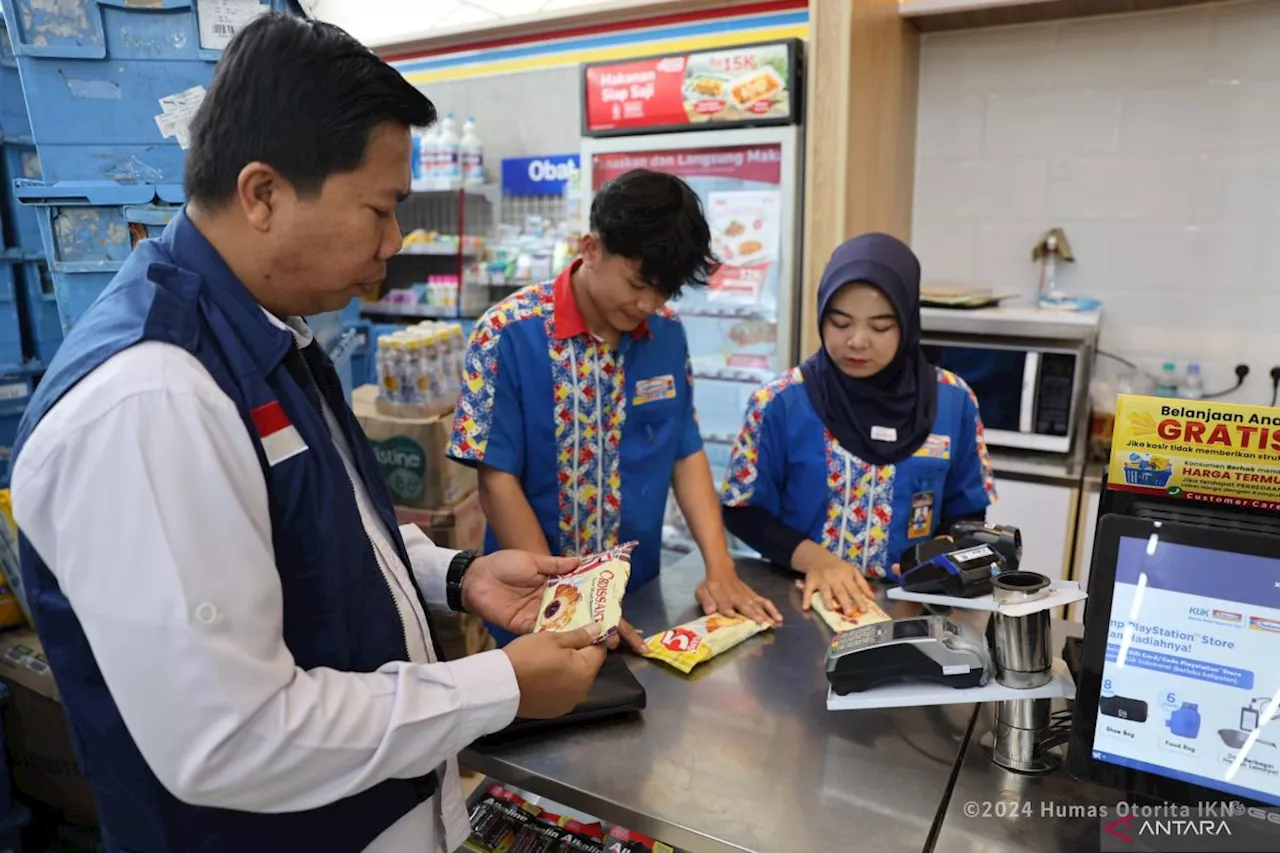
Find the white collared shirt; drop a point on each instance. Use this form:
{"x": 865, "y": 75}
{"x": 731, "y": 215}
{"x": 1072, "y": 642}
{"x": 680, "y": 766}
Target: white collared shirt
{"x": 142, "y": 492}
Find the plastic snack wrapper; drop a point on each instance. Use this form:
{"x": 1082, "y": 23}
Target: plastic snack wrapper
{"x": 13, "y": 600}
{"x": 692, "y": 643}
{"x": 838, "y": 622}
{"x": 590, "y": 593}
{"x": 625, "y": 841}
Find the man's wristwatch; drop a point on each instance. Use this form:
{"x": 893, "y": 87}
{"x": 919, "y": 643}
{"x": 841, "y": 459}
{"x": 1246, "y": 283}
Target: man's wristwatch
{"x": 453, "y": 579}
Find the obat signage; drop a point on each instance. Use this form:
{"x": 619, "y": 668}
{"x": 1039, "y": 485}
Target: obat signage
{"x": 525, "y": 176}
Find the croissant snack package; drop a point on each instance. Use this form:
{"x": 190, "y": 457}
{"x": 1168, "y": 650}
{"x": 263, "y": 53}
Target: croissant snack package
{"x": 590, "y": 593}
{"x": 838, "y": 622}
{"x": 685, "y": 646}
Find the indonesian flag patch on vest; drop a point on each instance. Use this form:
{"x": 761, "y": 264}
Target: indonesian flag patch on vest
{"x": 280, "y": 438}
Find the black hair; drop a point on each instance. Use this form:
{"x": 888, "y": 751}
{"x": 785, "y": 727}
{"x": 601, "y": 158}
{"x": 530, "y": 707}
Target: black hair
{"x": 656, "y": 219}
{"x": 300, "y": 96}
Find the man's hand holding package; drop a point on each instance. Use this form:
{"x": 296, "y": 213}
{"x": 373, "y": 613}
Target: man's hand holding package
{"x": 505, "y": 588}
{"x": 555, "y": 670}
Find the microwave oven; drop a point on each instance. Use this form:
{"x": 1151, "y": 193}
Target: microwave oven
{"x": 1030, "y": 392}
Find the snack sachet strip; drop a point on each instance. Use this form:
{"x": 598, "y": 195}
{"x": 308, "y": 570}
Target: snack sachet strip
{"x": 590, "y": 593}
{"x": 838, "y": 622}
{"x": 685, "y": 646}
{"x": 625, "y": 841}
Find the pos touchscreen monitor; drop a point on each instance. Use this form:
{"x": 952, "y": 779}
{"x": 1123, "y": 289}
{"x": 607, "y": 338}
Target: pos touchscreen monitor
{"x": 1180, "y": 680}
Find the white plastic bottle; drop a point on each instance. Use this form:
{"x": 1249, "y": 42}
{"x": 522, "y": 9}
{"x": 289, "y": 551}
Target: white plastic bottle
{"x": 411, "y": 377}
{"x": 423, "y": 348}
{"x": 449, "y": 154}
{"x": 471, "y": 151}
{"x": 1192, "y": 387}
{"x": 416, "y": 175}
{"x": 573, "y": 200}
{"x": 390, "y": 371}
{"x": 429, "y": 154}
{"x": 457, "y": 349}
{"x": 1167, "y": 383}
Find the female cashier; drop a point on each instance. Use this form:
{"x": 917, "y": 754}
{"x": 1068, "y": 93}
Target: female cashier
{"x": 865, "y": 449}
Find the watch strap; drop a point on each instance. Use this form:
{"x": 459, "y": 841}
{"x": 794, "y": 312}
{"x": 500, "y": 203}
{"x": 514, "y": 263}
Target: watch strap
{"x": 453, "y": 579}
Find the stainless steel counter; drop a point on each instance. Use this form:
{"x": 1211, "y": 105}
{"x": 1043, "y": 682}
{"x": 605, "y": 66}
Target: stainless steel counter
{"x": 992, "y": 810}
{"x": 742, "y": 754}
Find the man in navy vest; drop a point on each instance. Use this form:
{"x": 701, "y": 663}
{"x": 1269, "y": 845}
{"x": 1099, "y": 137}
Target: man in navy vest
{"x": 238, "y": 628}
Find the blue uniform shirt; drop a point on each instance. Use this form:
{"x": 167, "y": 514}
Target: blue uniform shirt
{"x": 588, "y": 429}
{"x": 786, "y": 462}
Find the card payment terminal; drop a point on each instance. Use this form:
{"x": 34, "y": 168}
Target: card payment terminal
{"x": 927, "y": 648}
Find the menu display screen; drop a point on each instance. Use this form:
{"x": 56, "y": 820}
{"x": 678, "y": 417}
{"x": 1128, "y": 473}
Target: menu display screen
{"x": 747, "y": 85}
{"x": 1191, "y": 683}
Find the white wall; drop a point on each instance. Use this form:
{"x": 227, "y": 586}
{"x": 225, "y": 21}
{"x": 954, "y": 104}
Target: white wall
{"x": 1153, "y": 140}
{"x": 381, "y": 22}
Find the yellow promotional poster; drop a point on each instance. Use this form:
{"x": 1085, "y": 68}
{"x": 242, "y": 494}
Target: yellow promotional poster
{"x": 1222, "y": 453}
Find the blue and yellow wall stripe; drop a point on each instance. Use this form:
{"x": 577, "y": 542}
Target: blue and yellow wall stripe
{"x": 671, "y": 34}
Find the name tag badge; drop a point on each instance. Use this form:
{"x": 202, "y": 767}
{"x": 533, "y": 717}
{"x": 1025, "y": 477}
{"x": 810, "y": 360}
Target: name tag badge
{"x": 935, "y": 447}
{"x": 657, "y": 388}
{"x": 883, "y": 433}
{"x": 921, "y": 524}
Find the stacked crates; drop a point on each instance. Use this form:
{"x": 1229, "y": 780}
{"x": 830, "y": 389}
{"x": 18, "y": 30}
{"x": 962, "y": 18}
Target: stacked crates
{"x": 29, "y": 328}
{"x": 110, "y": 87}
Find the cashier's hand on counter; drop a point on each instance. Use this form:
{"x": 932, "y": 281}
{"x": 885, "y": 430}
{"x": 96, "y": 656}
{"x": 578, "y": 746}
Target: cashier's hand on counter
{"x": 842, "y": 587}
{"x": 722, "y": 591}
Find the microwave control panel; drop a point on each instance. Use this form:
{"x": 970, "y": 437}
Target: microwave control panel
{"x": 1054, "y": 393}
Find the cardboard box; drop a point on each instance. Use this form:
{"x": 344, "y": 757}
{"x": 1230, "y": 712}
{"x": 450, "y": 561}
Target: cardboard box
{"x": 462, "y": 634}
{"x": 411, "y": 452}
{"x": 41, "y": 759}
{"x": 459, "y": 527}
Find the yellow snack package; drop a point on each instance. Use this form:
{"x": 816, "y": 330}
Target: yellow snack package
{"x": 838, "y": 622}
{"x": 692, "y": 643}
{"x": 590, "y": 593}
{"x": 13, "y": 603}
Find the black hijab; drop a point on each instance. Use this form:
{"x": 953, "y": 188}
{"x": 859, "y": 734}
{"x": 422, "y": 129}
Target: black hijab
{"x": 885, "y": 418}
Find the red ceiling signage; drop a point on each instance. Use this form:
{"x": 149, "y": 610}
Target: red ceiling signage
{"x": 760, "y": 163}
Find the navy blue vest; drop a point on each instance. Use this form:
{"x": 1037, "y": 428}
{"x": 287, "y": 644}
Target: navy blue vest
{"x": 338, "y": 610}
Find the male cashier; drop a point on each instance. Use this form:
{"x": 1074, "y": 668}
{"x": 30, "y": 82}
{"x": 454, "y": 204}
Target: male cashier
{"x": 577, "y": 400}
{"x": 238, "y": 629}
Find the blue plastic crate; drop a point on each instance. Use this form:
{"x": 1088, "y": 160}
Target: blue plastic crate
{"x": 362, "y": 363}
{"x": 95, "y": 73}
{"x": 22, "y": 162}
{"x": 88, "y": 230}
{"x": 15, "y": 393}
{"x": 341, "y": 352}
{"x": 14, "y": 123}
{"x": 41, "y": 324}
{"x": 11, "y": 355}
{"x": 326, "y": 327}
